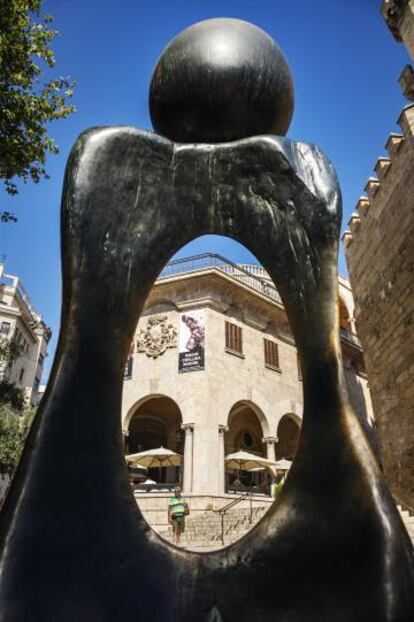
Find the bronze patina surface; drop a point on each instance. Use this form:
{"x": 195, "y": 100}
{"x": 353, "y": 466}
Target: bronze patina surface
{"x": 219, "y": 80}
{"x": 74, "y": 544}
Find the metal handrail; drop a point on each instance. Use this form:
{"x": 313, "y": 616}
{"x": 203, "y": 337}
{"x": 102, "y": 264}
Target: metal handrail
{"x": 214, "y": 260}
{"x": 167, "y": 487}
{"x": 222, "y": 511}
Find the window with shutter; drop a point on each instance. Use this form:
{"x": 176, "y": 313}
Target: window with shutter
{"x": 233, "y": 338}
{"x": 271, "y": 354}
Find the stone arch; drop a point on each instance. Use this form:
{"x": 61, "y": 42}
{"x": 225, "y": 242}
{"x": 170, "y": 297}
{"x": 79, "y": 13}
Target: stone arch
{"x": 255, "y": 408}
{"x": 292, "y": 408}
{"x": 257, "y": 402}
{"x": 247, "y": 426}
{"x": 288, "y": 432}
{"x": 141, "y": 401}
{"x": 155, "y": 421}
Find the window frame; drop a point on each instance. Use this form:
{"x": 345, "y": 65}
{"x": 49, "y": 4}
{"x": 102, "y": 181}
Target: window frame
{"x": 269, "y": 349}
{"x": 233, "y": 338}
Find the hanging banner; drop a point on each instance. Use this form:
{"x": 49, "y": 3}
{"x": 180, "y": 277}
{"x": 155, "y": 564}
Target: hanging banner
{"x": 192, "y": 341}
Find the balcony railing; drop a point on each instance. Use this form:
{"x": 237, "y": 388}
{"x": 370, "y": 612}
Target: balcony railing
{"x": 13, "y": 286}
{"x": 351, "y": 338}
{"x": 242, "y": 274}
{"x": 248, "y": 275}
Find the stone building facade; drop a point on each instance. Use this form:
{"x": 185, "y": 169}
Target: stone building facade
{"x": 238, "y": 389}
{"x": 379, "y": 249}
{"x": 20, "y": 321}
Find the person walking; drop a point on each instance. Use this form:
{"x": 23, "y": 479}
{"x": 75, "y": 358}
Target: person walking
{"x": 177, "y": 511}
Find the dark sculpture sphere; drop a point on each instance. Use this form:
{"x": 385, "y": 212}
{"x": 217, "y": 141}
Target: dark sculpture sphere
{"x": 221, "y": 80}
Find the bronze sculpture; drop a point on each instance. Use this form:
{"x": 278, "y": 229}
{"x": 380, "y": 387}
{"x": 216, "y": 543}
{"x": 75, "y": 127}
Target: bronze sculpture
{"x": 74, "y": 545}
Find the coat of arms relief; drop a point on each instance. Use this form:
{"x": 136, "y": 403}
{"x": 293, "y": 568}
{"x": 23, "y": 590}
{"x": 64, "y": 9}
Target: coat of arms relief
{"x": 158, "y": 335}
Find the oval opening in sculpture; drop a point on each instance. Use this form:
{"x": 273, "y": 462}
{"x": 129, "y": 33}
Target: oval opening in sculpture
{"x": 209, "y": 376}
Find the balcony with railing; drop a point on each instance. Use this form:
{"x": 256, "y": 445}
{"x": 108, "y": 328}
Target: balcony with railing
{"x": 245, "y": 274}
{"x": 253, "y": 276}
{"x": 13, "y": 287}
{"x": 350, "y": 338}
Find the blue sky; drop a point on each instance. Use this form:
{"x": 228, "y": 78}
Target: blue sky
{"x": 345, "y": 66}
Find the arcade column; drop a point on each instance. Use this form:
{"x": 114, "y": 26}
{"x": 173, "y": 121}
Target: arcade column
{"x": 188, "y": 457}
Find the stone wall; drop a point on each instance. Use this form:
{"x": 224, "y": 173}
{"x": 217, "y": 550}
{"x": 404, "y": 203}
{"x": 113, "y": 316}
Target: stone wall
{"x": 379, "y": 248}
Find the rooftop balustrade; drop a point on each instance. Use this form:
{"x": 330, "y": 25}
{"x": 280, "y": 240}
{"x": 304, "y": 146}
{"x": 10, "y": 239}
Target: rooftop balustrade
{"x": 253, "y": 276}
{"x": 248, "y": 275}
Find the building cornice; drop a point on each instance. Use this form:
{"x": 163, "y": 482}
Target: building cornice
{"x": 221, "y": 275}
{"x": 207, "y": 301}
{"x": 16, "y": 314}
{"x": 200, "y": 298}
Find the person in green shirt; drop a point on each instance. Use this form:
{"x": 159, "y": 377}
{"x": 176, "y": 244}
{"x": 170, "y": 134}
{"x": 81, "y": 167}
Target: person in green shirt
{"x": 177, "y": 511}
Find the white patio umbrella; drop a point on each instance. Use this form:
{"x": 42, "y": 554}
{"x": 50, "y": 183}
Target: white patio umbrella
{"x": 136, "y": 471}
{"x": 141, "y": 469}
{"x": 159, "y": 457}
{"x": 244, "y": 461}
{"x": 283, "y": 464}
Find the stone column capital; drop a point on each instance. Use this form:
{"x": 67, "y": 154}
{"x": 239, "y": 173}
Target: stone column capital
{"x": 268, "y": 440}
{"x": 223, "y": 429}
{"x": 187, "y": 427}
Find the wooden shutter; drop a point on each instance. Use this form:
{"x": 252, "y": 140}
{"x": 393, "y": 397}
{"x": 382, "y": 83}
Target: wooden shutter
{"x": 234, "y": 337}
{"x": 271, "y": 354}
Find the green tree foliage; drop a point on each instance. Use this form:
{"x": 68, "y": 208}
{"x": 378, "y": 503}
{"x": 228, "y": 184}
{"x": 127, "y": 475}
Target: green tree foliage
{"x": 27, "y": 104}
{"x": 15, "y": 418}
{"x": 11, "y": 395}
{"x": 10, "y": 350}
{"x": 14, "y": 428}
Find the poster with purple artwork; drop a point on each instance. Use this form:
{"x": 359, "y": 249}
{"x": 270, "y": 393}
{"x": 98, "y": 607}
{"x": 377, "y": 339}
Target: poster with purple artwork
{"x": 192, "y": 341}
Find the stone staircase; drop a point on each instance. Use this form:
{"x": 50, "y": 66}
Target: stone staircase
{"x": 408, "y": 522}
{"x": 203, "y": 532}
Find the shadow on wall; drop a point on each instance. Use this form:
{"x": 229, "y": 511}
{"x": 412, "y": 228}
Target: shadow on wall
{"x": 358, "y": 401}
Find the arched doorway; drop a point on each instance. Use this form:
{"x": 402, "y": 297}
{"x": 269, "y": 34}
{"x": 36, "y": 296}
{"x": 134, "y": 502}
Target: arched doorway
{"x": 156, "y": 422}
{"x": 288, "y": 432}
{"x": 246, "y": 430}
